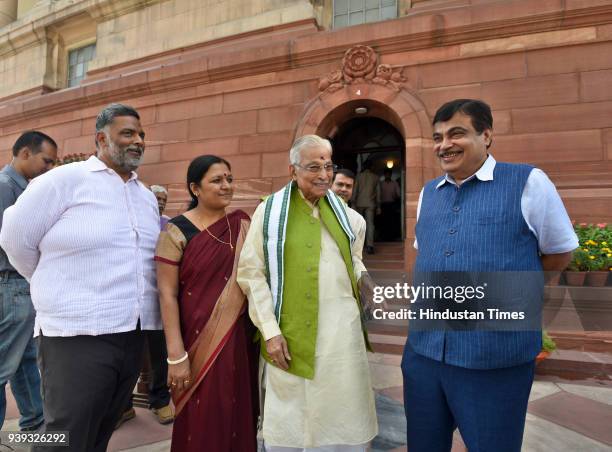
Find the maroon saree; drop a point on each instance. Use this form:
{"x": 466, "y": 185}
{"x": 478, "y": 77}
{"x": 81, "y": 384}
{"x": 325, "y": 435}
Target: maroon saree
{"x": 218, "y": 413}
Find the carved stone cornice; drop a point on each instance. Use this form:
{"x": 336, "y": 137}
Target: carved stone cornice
{"x": 105, "y": 10}
{"x": 30, "y": 29}
{"x": 438, "y": 35}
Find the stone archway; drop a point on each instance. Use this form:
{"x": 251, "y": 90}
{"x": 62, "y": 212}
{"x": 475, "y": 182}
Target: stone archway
{"x": 362, "y": 81}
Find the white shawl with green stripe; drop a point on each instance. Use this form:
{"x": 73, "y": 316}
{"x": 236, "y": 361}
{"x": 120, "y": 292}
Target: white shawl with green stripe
{"x": 274, "y": 230}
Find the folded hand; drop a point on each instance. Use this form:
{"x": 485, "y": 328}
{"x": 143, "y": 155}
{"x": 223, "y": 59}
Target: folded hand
{"x": 278, "y": 351}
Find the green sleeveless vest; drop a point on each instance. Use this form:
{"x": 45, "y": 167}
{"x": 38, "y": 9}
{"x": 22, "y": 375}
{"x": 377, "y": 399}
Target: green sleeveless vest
{"x": 300, "y": 309}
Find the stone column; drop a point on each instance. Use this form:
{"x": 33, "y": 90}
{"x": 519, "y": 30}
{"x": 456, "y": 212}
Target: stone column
{"x": 8, "y": 12}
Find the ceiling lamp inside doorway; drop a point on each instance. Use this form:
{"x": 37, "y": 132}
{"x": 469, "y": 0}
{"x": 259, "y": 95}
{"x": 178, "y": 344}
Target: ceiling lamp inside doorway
{"x": 361, "y": 110}
{"x": 389, "y": 164}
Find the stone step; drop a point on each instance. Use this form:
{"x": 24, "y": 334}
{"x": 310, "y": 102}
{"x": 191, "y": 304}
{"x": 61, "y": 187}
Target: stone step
{"x": 389, "y": 244}
{"x": 387, "y": 264}
{"x": 387, "y": 338}
{"x": 389, "y": 254}
{"x": 385, "y": 277}
{"x": 390, "y": 349}
{"x": 378, "y": 328}
{"x": 578, "y": 365}
{"x": 586, "y": 341}
{"x": 589, "y": 359}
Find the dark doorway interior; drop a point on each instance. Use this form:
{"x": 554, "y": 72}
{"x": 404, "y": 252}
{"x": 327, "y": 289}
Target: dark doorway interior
{"x": 374, "y": 140}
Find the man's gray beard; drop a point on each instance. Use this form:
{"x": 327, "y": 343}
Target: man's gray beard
{"x": 120, "y": 158}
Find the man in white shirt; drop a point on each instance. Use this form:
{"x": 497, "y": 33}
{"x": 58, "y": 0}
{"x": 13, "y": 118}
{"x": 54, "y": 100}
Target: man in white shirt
{"x": 84, "y": 235}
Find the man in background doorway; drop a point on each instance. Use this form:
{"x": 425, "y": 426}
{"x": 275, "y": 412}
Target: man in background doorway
{"x": 343, "y": 183}
{"x": 389, "y": 197}
{"x": 366, "y": 200}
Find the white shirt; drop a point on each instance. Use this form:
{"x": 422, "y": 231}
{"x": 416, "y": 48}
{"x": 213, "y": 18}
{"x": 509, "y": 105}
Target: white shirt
{"x": 541, "y": 206}
{"x": 85, "y": 240}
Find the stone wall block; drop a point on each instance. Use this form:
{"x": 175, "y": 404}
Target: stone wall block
{"x": 563, "y": 117}
{"x": 232, "y": 124}
{"x": 532, "y": 91}
{"x": 275, "y": 164}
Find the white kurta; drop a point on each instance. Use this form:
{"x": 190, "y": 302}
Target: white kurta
{"x": 337, "y": 406}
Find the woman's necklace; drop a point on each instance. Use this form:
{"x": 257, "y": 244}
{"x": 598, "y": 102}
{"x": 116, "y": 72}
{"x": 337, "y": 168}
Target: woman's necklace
{"x": 218, "y": 239}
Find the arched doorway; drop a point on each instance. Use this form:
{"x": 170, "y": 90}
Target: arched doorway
{"x": 362, "y": 82}
{"x": 374, "y": 142}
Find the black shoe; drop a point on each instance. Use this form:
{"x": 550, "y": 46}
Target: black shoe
{"x": 370, "y": 249}
{"x": 33, "y": 428}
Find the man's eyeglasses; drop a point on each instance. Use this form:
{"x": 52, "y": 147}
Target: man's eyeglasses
{"x": 329, "y": 168}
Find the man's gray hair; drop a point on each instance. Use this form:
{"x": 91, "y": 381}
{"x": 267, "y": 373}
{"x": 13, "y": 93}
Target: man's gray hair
{"x": 306, "y": 142}
{"x": 110, "y": 112}
{"x": 158, "y": 189}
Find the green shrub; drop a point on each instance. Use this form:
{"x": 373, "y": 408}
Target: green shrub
{"x": 548, "y": 345}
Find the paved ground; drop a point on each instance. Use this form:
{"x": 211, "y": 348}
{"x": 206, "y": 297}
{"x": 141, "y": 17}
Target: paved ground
{"x": 562, "y": 417}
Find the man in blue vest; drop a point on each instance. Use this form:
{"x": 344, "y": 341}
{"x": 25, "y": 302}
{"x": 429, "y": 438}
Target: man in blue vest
{"x": 481, "y": 216}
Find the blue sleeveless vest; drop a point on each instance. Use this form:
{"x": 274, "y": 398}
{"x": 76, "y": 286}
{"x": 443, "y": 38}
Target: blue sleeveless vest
{"x": 477, "y": 227}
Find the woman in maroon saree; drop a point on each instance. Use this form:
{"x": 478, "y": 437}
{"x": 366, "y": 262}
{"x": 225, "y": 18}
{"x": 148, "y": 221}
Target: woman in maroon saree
{"x": 212, "y": 359}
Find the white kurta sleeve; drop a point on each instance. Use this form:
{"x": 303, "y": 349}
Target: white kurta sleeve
{"x": 358, "y": 225}
{"x": 27, "y": 221}
{"x": 251, "y": 277}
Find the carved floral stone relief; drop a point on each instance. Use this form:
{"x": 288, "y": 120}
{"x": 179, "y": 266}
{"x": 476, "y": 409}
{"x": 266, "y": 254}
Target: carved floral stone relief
{"x": 360, "y": 65}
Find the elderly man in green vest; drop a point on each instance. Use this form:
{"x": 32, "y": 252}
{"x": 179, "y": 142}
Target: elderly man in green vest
{"x": 300, "y": 268}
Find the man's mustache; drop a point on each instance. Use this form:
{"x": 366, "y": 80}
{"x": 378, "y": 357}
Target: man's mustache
{"x": 138, "y": 149}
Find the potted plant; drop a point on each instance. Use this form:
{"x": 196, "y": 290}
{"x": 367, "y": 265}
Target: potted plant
{"x": 597, "y": 239}
{"x": 598, "y": 263}
{"x": 593, "y": 257}
{"x": 576, "y": 270}
{"x": 548, "y": 346}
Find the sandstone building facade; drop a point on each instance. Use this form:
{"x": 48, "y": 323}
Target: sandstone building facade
{"x": 242, "y": 79}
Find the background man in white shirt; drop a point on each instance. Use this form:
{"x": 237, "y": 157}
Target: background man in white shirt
{"x": 366, "y": 197}
{"x": 84, "y": 235}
